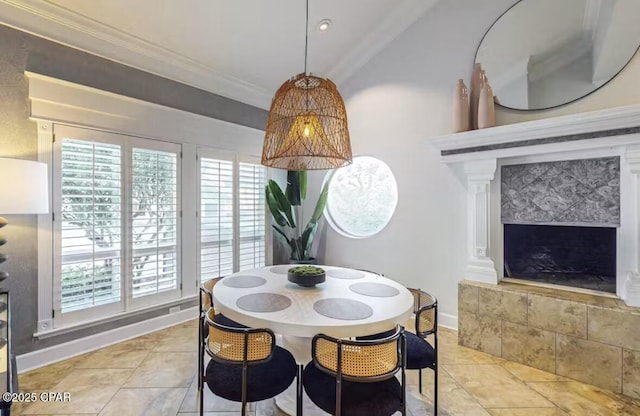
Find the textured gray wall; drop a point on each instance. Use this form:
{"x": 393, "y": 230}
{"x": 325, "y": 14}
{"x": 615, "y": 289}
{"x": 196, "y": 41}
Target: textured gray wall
{"x": 578, "y": 192}
{"x": 18, "y": 139}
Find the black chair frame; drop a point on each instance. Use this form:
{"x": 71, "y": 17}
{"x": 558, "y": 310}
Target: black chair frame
{"x": 402, "y": 362}
{"x": 423, "y": 334}
{"x": 201, "y": 339}
{"x": 245, "y": 361}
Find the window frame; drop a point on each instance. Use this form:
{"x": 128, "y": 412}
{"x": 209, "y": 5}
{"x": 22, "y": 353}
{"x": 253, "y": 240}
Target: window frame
{"x": 95, "y": 311}
{"x": 50, "y": 319}
{"x": 244, "y": 159}
{"x": 335, "y": 224}
{"x": 56, "y": 102}
{"x": 236, "y": 159}
{"x": 168, "y": 295}
{"x": 127, "y": 302}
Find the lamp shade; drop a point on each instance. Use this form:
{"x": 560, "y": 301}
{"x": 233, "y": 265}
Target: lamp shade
{"x": 23, "y": 187}
{"x": 307, "y": 126}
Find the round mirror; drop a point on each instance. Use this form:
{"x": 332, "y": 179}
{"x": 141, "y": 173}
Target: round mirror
{"x": 545, "y": 53}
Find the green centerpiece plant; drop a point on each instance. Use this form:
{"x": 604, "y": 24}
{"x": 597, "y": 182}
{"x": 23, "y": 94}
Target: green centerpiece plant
{"x": 286, "y": 210}
{"x": 306, "y": 270}
{"x": 306, "y": 276}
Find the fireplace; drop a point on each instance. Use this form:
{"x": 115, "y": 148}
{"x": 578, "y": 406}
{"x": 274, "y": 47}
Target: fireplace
{"x": 580, "y": 170}
{"x": 583, "y": 257}
{"x": 520, "y": 179}
{"x": 560, "y": 220}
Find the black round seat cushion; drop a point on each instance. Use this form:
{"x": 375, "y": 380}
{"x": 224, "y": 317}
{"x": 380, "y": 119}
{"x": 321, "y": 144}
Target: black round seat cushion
{"x": 222, "y": 320}
{"x": 420, "y": 354}
{"x": 264, "y": 380}
{"x": 381, "y": 398}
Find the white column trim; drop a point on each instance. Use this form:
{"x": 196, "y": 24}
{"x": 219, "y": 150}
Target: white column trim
{"x": 480, "y": 266}
{"x": 630, "y": 288}
{"x": 45, "y": 234}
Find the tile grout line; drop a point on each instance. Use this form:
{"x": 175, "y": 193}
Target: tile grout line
{"x": 465, "y": 390}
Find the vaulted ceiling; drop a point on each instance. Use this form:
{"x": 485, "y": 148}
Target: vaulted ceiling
{"x": 243, "y": 49}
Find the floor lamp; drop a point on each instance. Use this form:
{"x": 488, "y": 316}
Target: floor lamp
{"x": 24, "y": 189}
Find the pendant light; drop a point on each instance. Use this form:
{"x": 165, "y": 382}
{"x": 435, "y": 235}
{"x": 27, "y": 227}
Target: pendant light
{"x": 307, "y": 123}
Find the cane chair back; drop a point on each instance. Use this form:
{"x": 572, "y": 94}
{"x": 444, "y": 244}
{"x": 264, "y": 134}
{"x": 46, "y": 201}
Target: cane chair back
{"x": 206, "y": 294}
{"x": 233, "y": 351}
{"x": 360, "y": 361}
{"x": 238, "y": 345}
{"x": 425, "y": 307}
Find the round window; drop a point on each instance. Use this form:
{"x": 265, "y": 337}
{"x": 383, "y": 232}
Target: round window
{"x": 361, "y": 198}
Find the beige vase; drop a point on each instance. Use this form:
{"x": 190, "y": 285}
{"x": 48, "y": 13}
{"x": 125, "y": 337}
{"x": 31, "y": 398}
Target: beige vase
{"x": 476, "y": 88}
{"x": 486, "y": 107}
{"x": 460, "y": 108}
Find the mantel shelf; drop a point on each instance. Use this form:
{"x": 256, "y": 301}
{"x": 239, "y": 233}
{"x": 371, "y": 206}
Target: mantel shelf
{"x": 603, "y": 128}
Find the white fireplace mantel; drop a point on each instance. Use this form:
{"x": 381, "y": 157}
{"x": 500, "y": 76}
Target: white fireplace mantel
{"x": 610, "y": 132}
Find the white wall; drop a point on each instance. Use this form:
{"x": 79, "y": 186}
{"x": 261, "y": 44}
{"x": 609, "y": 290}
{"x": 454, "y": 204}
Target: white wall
{"x": 402, "y": 96}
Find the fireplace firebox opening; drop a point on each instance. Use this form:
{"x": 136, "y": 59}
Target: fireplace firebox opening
{"x": 576, "y": 256}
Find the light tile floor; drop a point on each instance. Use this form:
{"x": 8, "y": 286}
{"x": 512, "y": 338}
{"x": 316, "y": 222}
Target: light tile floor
{"x": 154, "y": 375}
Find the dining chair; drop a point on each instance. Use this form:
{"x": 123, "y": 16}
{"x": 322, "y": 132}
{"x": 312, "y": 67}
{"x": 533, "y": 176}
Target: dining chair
{"x": 206, "y": 299}
{"x": 246, "y": 365}
{"x": 357, "y": 377}
{"x": 207, "y": 309}
{"x": 420, "y": 353}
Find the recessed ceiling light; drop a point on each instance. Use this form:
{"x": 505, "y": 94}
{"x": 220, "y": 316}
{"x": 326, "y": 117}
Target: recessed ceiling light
{"x": 324, "y": 25}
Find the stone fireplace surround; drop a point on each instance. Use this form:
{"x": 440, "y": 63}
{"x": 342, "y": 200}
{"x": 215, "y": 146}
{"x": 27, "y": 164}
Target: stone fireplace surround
{"x": 555, "y": 217}
{"x": 607, "y": 133}
{"x": 596, "y": 334}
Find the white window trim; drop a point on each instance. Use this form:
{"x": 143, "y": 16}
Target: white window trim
{"x": 127, "y": 303}
{"x": 337, "y": 227}
{"x": 255, "y": 161}
{"x": 236, "y": 159}
{"x": 66, "y": 103}
{"x": 204, "y": 152}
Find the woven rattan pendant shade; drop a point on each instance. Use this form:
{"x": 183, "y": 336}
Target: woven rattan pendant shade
{"x": 307, "y": 126}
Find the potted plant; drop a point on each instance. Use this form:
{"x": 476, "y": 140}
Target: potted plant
{"x": 306, "y": 276}
{"x": 286, "y": 210}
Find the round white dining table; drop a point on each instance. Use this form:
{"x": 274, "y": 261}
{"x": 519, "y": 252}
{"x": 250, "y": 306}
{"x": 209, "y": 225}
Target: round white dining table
{"x": 349, "y": 303}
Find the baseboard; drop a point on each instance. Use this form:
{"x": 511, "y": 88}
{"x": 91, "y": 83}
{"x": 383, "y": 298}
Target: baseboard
{"x": 40, "y": 358}
{"x": 448, "y": 321}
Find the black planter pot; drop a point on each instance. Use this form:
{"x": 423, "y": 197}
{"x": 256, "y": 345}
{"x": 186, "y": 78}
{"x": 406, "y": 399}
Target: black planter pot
{"x": 306, "y": 281}
{"x": 312, "y": 260}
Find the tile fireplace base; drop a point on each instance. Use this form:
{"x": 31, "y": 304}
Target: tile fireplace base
{"x": 588, "y": 338}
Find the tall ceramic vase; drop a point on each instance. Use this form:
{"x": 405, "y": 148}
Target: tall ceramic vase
{"x": 460, "y": 108}
{"x": 486, "y": 107}
{"x": 476, "y": 88}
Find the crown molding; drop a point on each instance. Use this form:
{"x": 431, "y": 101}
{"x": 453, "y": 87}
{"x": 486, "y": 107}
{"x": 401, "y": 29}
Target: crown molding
{"x": 396, "y": 22}
{"x": 61, "y": 25}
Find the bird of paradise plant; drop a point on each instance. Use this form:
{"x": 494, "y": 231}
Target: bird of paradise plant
{"x": 286, "y": 210}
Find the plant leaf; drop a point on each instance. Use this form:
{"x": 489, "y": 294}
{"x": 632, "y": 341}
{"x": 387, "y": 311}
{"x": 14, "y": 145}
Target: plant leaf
{"x": 298, "y": 253}
{"x": 293, "y": 187}
{"x": 282, "y": 237}
{"x": 283, "y": 204}
{"x": 321, "y": 204}
{"x": 303, "y": 184}
{"x": 274, "y": 208}
{"x": 307, "y": 237}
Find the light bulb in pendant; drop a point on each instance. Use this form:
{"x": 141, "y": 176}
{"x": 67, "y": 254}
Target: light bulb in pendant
{"x": 306, "y": 131}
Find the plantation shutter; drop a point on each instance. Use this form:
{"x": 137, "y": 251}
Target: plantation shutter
{"x": 154, "y": 221}
{"x": 251, "y": 215}
{"x": 216, "y": 218}
{"x": 90, "y": 224}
